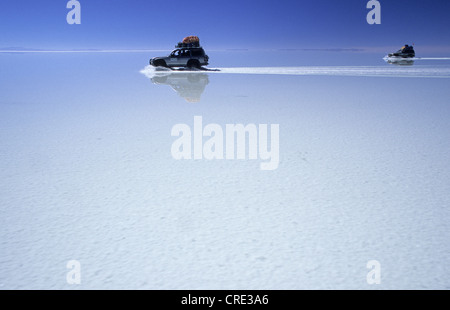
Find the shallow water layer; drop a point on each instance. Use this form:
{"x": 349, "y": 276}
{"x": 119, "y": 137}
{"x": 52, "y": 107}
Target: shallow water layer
{"x": 88, "y": 174}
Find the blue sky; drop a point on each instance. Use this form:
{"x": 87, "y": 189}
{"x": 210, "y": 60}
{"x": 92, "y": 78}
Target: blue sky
{"x": 137, "y": 24}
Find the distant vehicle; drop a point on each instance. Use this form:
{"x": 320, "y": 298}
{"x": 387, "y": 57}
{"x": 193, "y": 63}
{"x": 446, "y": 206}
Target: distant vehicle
{"x": 406, "y": 51}
{"x": 188, "y": 53}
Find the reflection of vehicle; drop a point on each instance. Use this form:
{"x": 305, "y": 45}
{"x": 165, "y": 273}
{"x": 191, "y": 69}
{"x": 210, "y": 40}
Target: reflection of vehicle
{"x": 188, "y": 53}
{"x": 399, "y": 61}
{"x": 190, "y": 86}
{"x": 405, "y": 52}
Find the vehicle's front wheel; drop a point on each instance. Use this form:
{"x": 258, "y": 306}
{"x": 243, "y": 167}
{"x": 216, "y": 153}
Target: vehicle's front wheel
{"x": 193, "y": 63}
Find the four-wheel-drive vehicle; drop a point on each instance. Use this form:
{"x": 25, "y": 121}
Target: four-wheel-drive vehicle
{"x": 188, "y": 53}
{"x": 406, "y": 51}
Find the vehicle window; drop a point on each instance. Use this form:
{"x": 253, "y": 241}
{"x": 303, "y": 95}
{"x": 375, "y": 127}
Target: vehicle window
{"x": 175, "y": 53}
{"x": 197, "y": 53}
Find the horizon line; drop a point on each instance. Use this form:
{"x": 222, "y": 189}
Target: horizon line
{"x": 379, "y": 49}
{"x": 100, "y": 50}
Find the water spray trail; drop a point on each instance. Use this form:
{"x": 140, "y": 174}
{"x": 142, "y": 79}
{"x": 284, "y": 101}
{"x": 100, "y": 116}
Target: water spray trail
{"x": 371, "y": 71}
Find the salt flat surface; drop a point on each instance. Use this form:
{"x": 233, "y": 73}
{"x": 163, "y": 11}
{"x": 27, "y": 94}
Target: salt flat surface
{"x": 87, "y": 174}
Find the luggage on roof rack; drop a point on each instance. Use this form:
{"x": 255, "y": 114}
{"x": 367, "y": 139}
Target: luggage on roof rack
{"x": 190, "y": 41}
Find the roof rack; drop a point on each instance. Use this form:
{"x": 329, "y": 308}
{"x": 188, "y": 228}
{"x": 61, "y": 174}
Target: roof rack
{"x": 193, "y": 44}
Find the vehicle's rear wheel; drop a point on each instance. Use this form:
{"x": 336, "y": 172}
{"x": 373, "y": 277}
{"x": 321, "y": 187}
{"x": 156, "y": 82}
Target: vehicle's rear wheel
{"x": 160, "y": 63}
{"x": 193, "y": 63}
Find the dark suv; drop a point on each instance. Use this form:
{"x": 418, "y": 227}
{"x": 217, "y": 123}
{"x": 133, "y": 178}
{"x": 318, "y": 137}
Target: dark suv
{"x": 183, "y": 56}
{"x": 406, "y": 51}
